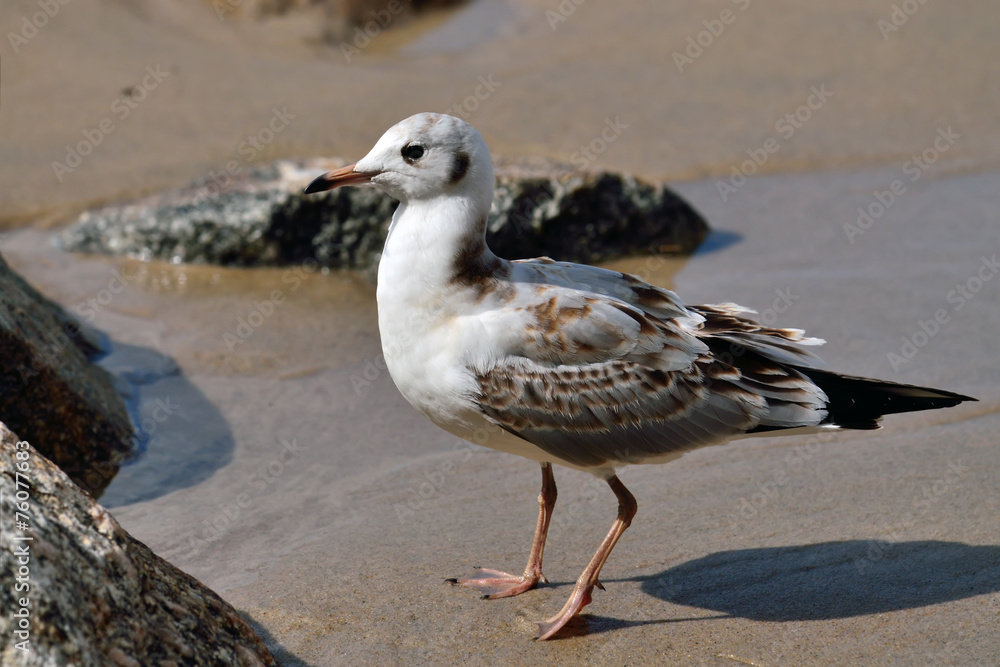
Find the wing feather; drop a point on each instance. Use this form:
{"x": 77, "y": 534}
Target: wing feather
{"x": 616, "y": 411}
{"x": 608, "y": 369}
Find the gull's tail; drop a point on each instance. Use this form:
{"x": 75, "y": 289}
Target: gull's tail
{"x": 858, "y": 403}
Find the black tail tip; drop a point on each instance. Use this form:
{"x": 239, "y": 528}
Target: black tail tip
{"x": 859, "y": 403}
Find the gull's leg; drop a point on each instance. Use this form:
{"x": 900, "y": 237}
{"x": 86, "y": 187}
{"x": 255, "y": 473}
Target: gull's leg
{"x": 580, "y": 597}
{"x": 496, "y": 584}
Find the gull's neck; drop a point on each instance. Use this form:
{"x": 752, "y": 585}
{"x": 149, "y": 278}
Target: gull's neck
{"x": 434, "y": 247}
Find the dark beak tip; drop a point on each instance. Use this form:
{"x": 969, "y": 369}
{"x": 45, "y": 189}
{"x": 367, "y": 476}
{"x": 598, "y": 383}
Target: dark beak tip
{"x": 337, "y": 178}
{"x": 318, "y": 184}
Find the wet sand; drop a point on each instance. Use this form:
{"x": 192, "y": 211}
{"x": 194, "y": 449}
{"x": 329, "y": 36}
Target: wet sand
{"x": 292, "y": 478}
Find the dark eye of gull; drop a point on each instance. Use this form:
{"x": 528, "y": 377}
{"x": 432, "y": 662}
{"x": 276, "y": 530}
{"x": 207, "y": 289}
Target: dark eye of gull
{"x": 412, "y": 153}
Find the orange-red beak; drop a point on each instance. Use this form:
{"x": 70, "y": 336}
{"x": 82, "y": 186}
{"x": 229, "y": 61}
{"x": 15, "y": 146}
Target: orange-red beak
{"x": 336, "y": 178}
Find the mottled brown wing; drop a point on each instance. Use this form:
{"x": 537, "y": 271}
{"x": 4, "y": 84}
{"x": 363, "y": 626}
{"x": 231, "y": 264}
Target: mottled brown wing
{"x": 729, "y": 332}
{"x": 593, "y": 378}
{"x": 560, "y": 326}
{"x": 644, "y": 405}
{"x": 623, "y": 412}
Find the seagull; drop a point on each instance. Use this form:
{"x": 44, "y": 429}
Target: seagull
{"x": 570, "y": 364}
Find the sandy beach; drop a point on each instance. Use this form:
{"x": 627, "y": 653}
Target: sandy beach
{"x": 552, "y": 85}
{"x": 292, "y": 478}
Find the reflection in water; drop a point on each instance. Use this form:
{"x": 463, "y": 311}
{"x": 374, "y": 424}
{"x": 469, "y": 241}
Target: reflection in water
{"x": 718, "y": 239}
{"x": 182, "y": 438}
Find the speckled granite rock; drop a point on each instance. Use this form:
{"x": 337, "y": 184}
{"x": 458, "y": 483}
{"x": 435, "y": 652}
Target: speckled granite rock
{"x": 92, "y": 594}
{"x": 261, "y": 217}
{"x": 546, "y": 208}
{"x": 52, "y": 394}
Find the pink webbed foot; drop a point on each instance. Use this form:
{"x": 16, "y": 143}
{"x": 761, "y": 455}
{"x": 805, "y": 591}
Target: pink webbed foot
{"x": 579, "y": 599}
{"x": 494, "y": 584}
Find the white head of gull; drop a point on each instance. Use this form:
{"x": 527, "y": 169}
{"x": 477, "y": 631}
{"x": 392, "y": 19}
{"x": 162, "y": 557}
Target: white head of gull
{"x": 571, "y": 364}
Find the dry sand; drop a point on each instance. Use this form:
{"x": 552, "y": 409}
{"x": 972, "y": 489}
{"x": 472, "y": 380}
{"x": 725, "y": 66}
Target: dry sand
{"x": 554, "y": 88}
{"x": 292, "y": 478}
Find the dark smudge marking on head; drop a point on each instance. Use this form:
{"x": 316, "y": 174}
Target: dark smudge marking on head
{"x": 459, "y": 167}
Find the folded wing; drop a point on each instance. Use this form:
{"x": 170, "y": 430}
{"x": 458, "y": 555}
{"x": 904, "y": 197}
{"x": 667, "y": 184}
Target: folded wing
{"x": 637, "y": 376}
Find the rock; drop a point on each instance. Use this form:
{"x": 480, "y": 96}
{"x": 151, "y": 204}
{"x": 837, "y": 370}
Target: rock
{"x": 261, "y": 217}
{"x": 90, "y": 593}
{"x": 349, "y": 21}
{"x": 546, "y": 208}
{"x": 51, "y": 392}
{"x": 343, "y": 21}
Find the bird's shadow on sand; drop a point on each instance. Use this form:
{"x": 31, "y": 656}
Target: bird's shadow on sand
{"x": 817, "y": 581}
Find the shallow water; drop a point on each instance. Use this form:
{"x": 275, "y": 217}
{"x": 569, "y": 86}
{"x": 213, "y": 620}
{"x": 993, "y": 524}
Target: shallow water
{"x": 210, "y": 319}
